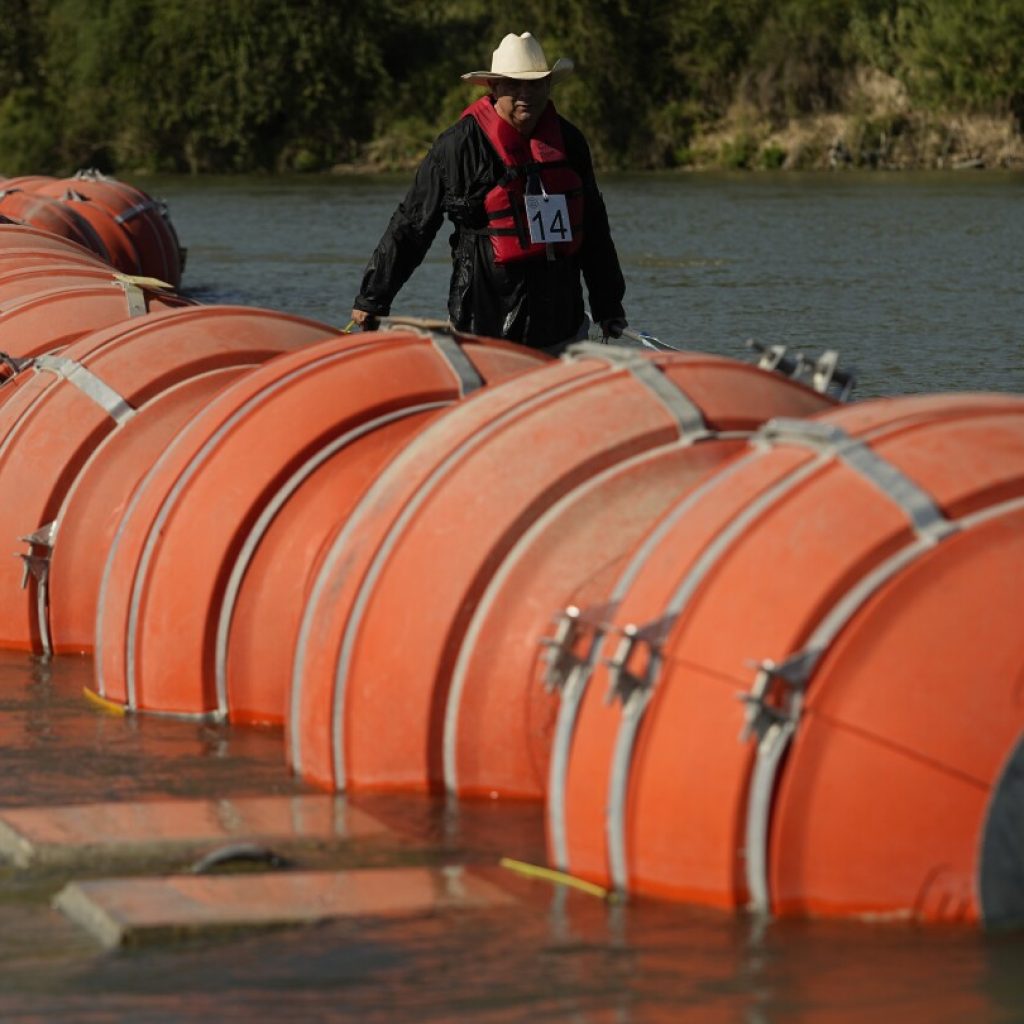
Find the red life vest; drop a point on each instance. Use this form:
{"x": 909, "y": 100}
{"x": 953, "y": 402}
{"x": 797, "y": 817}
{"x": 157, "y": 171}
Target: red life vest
{"x": 541, "y": 156}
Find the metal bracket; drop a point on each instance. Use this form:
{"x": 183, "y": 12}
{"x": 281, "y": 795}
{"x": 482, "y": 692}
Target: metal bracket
{"x": 622, "y": 682}
{"x": 762, "y": 712}
{"x": 561, "y": 648}
{"x": 14, "y": 364}
{"x": 558, "y": 649}
{"x": 822, "y": 373}
{"x": 37, "y": 567}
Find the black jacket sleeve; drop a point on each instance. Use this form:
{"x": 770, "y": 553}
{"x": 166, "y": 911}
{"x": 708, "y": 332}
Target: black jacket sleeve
{"x": 407, "y": 239}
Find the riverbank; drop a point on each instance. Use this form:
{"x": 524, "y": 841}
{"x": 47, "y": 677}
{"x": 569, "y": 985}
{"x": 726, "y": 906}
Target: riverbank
{"x": 892, "y": 140}
{"x": 881, "y": 139}
{"x": 877, "y": 126}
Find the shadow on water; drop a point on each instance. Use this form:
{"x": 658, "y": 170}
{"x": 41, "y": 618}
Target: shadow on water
{"x": 555, "y": 955}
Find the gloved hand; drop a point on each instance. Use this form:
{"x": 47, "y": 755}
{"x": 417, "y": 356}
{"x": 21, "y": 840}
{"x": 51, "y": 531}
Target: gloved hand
{"x": 367, "y": 321}
{"x": 612, "y": 328}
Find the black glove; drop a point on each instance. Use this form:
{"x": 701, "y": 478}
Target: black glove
{"x": 612, "y": 328}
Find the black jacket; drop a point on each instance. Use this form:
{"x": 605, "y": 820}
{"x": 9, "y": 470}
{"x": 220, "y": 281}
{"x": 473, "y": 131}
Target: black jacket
{"x": 539, "y": 302}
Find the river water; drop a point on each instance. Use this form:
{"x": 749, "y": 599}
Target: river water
{"x": 915, "y": 279}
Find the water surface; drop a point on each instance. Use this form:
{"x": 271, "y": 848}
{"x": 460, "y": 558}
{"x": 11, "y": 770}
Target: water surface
{"x": 916, "y": 279}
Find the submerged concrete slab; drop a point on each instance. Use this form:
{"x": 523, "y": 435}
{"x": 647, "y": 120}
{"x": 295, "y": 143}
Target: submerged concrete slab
{"x": 143, "y": 911}
{"x": 80, "y": 835}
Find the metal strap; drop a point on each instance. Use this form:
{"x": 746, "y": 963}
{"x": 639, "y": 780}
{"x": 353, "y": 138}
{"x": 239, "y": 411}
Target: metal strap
{"x": 134, "y": 295}
{"x": 682, "y": 408}
{"x": 468, "y": 375}
{"x": 89, "y": 384}
{"x": 136, "y": 211}
{"x": 445, "y": 340}
{"x": 917, "y": 504}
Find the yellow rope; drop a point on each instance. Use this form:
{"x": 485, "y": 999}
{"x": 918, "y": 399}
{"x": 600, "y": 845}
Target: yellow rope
{"x": 559, "y": 878}
{"x": 102, "y": 704}
{"x": 347, "y": 329}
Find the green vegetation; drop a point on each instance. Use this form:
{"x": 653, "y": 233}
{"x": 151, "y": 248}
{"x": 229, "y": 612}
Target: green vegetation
{"x": 242, "y": 85}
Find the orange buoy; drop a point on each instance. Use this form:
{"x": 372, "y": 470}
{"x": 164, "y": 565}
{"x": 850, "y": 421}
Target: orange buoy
{"x": 143, "y": 219}
{"x": 16, "y": 260}
{"x": 914, "y": 725}
{"x": 767, "y": 565}
{"x": 46, "y": 320}
{"x": 261, "y": 611}
{"x": 390, "y": 605}
{"x": 93, "y": 505}
{"x": 59, "y": 407}
{"x": 26, "y": 182}
{"x": 20, "y": 238}
{"x": 501, "y": 706}
{"x": 118, "y": 242}
{"x": 54, "y": 216}
{"x": 50, "y": 275}
{"x": 170, "y": 567}
{"x": 500, "y": 712}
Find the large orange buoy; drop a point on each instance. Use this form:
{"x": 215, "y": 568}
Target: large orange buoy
{"x": 391, "y": 603}
{"x": 43, "y": 321}
{"x": 54, "y": 216}
{"x": 171, "y": 564}
{"x": 59, "y": 407}
{"x": 778, "y": 562}
{"x": 143, "y": 219}
{"x": 95, "y": 502}
{"x": 51, "y": 274}
{"x": 16, "y": 260}
{"x": 26, "y": 182}
{"x": 500, "y": 712}
{"x": 260, "y": 615}
{"x": 104, "y": 221}
{"x": 913, "y": 724}
{"x": 18, "y": 238}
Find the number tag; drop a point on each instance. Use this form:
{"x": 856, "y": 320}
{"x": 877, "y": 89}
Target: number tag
{"x": 549, "y": 219}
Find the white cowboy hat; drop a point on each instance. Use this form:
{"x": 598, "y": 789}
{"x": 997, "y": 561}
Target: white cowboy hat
{"x": 520, "y": 57}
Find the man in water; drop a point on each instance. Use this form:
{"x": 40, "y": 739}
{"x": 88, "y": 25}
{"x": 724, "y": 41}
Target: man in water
{"x": 517, "y": 182}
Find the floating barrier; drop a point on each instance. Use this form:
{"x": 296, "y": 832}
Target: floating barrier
{"x": 43, "y": 321}
{"x": 119, "y": 244}
{"x": 53, "y": 216}
{"x": 50, "y": 275}
{"x": 753, "y": 649}
{"x": 780, "y": 581}
{"x": 126, "y": 227}
{"x": 96, "y": 500}
{"x": 27, "y": 244}
{"x": 423, "y": 542}
{"x": 58, "y": 408}
{"x": 169, "y": 575}
{"x": 135, "y": 225}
